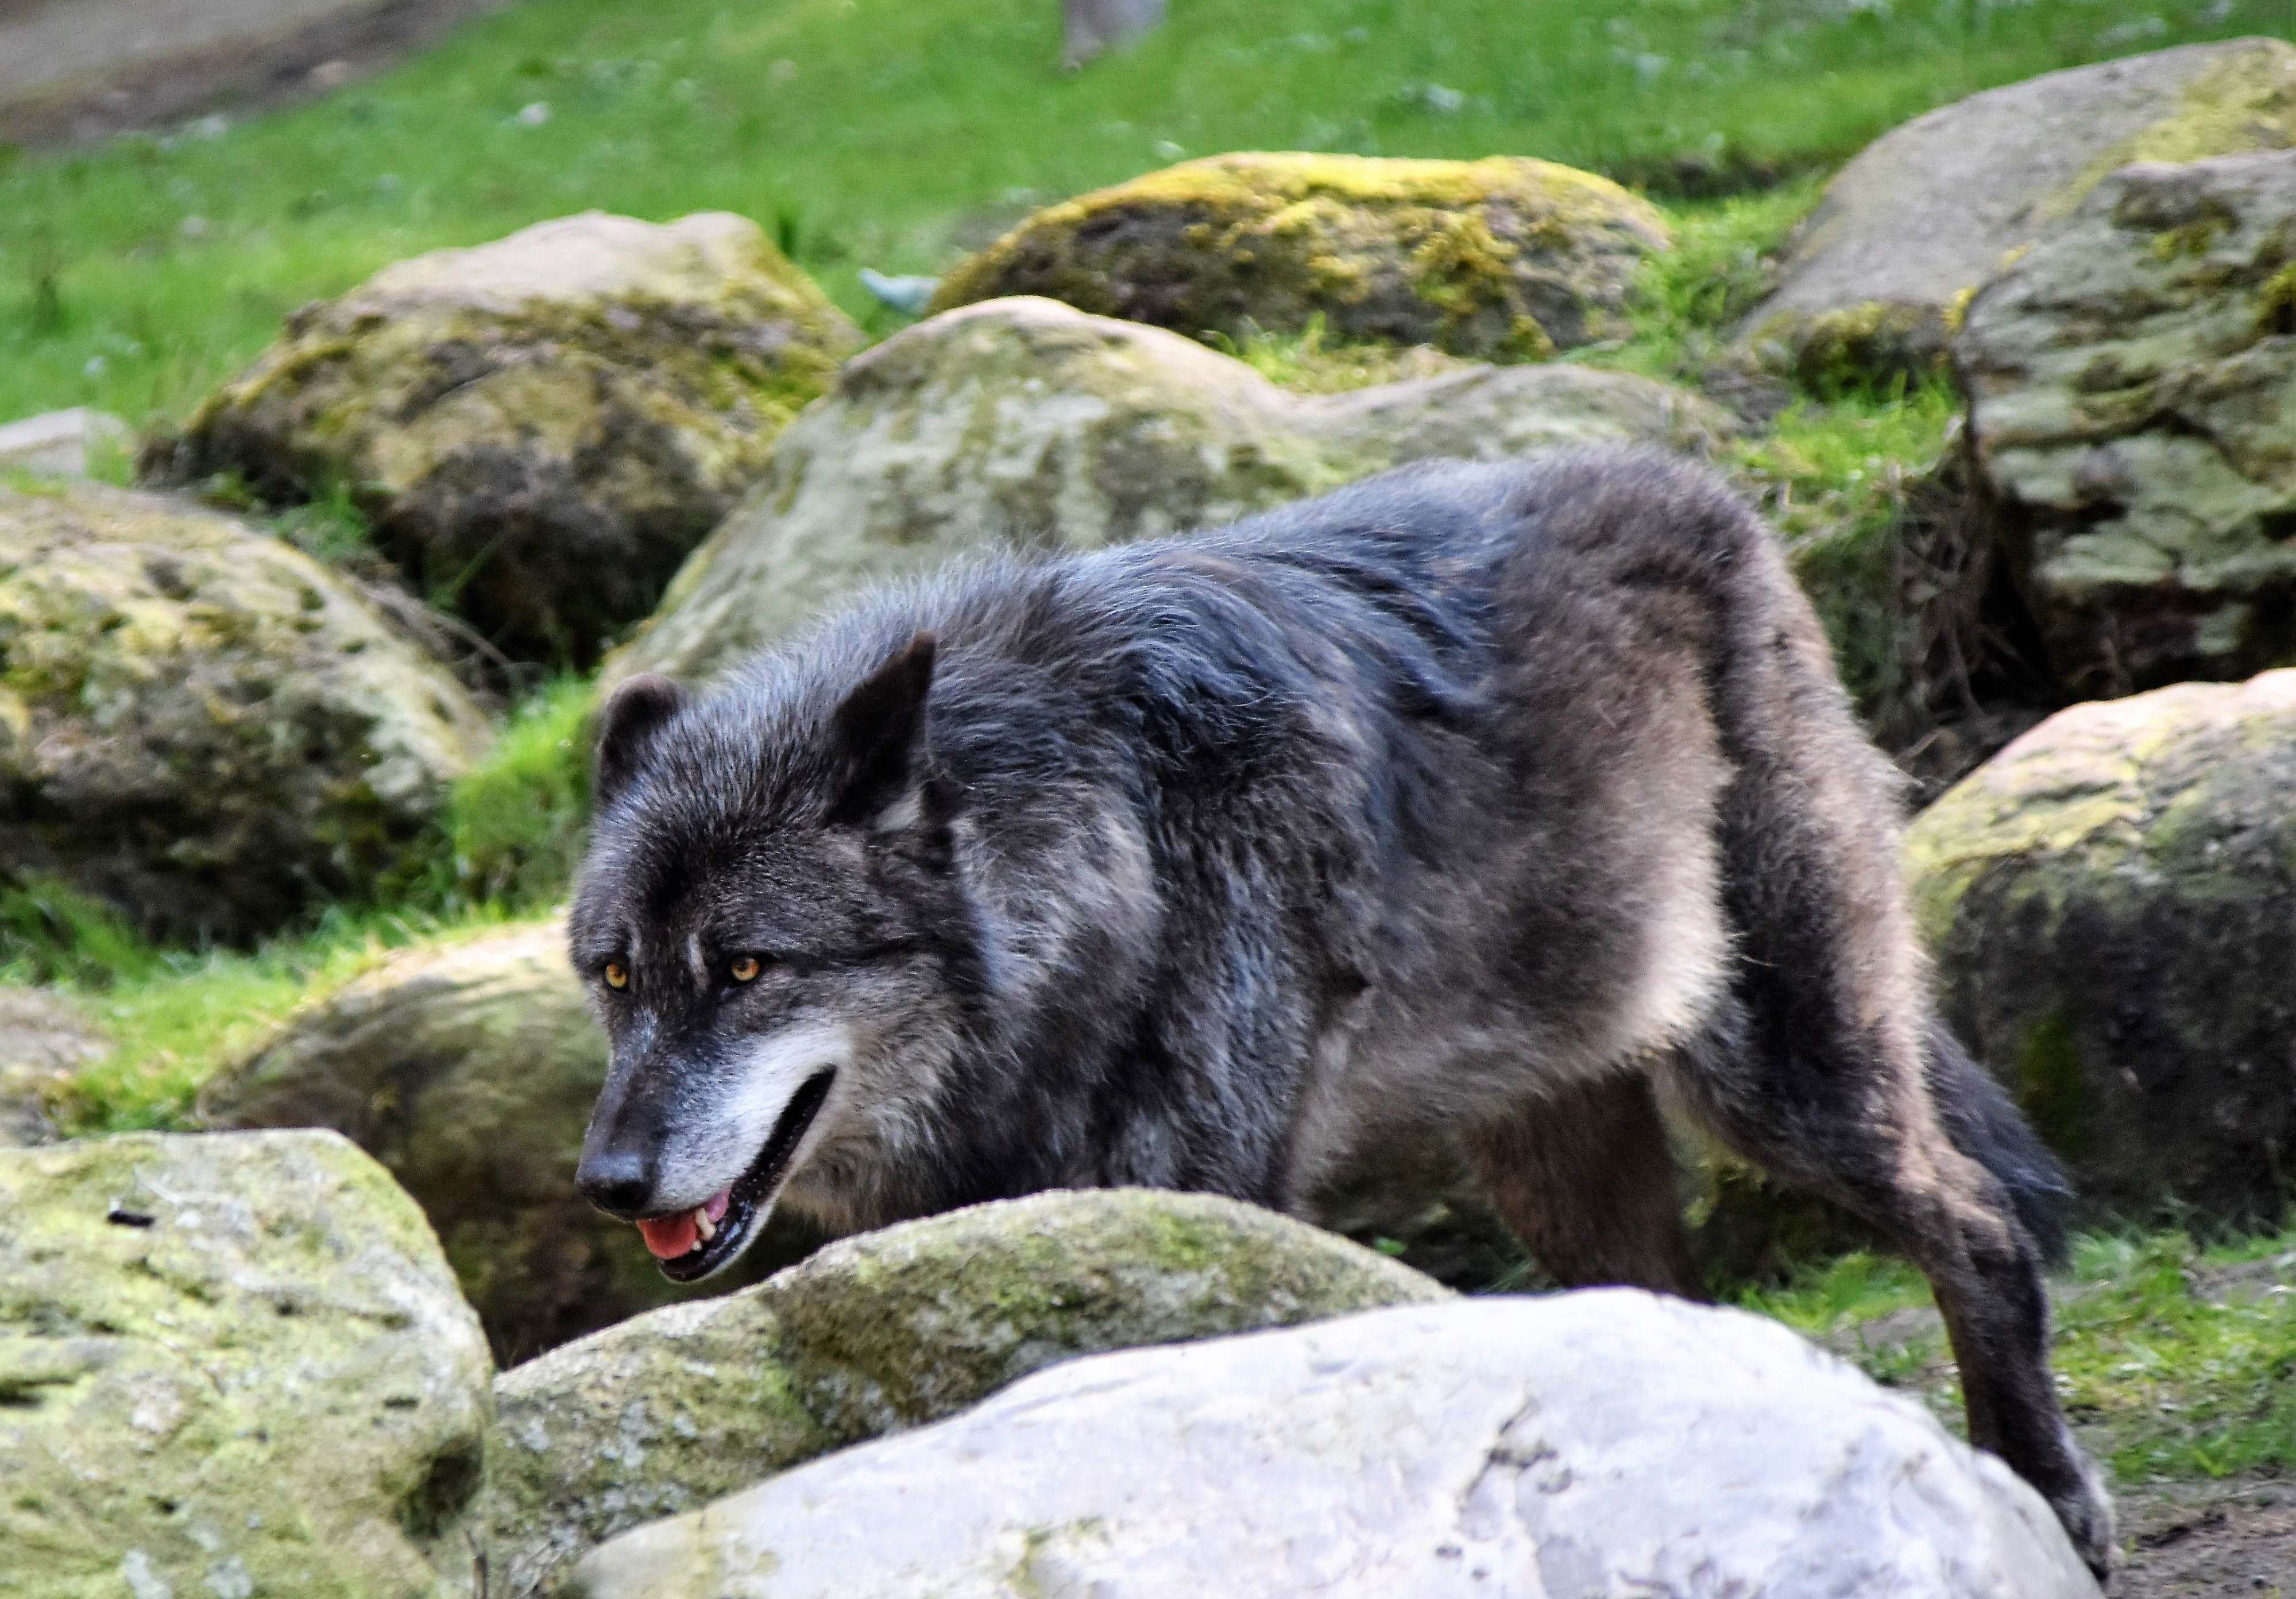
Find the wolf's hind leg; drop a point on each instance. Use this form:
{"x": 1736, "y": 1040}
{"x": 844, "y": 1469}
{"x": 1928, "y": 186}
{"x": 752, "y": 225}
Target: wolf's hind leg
{"x": 1585, "y": 1178}
{"x": 1868, "y": 1135}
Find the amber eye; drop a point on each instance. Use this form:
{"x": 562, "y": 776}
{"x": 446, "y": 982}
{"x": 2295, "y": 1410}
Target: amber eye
{"x": 744, "y": 969}
{"x": 617, "y": 975}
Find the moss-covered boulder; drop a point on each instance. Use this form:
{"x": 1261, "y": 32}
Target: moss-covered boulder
{"x": 232, "y": 1365}
{"x": 468, "y": 1068}
{"x": 2112, "y": 903}
{"x": 1024, "y": 424}
{"x": 881, "y": 1332}
{"x": 539, "y": 429}
{"x": 1506, "y": 259}
{"x": 2132, "y": 411}
{"x": 202, "y": 726}
{"x": 1926, "y": 214}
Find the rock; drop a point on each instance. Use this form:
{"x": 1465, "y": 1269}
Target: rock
{"x": 61, "y": 443}
{"x": 882, "y": 1332}
{"x": 44, "y": 1038}
{"x": 1928, "y": 212}
{"x": 539, "y": 429}
{"x": 1026, "y": 424}
{"x": 198, "y": 724}
{"x": 1505, "y": 258}
{"x": 231, "y": 1365}
{"x": 1609, "y": 1442}
{"x": 2112, "y": 904}
{"x": 2132, "y": 384}
{"x": 468, "y": 1068}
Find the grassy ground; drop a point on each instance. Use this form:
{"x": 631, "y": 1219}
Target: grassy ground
{"x": 2176, "y": 1360}
{"x": 892, "y": 132}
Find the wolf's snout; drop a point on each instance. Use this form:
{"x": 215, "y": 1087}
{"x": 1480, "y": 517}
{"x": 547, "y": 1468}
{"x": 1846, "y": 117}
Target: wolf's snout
{"x": 619, "y": 1182}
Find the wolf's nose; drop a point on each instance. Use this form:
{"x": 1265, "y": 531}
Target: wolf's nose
{"x": 618, "y": 1182}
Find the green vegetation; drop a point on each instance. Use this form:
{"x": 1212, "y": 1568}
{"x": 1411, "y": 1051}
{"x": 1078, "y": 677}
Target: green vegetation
{"x": 2176, "y": 1359}
{"x": 506, "y": 845}
{"x": 893, "y": 134}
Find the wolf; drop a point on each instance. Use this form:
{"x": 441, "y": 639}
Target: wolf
{"x": 1482, "y": 803}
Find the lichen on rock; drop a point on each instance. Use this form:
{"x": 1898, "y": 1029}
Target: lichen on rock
{"x": 1026, "y": 424}
{"x": 882, "y": 1332}
{"x": 2111, "y": 900}
{"x": 1871, "y": 284}
{"x": 234, "y": 1365}
{"x": 539, "y": 429}
{"x": 2132, "y": 384}
{"x": 1505, "y": 258}
{"x": 202, "y": 726}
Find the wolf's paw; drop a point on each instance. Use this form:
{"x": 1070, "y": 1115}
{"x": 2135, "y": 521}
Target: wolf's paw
{"x": 2086, "y": 1512}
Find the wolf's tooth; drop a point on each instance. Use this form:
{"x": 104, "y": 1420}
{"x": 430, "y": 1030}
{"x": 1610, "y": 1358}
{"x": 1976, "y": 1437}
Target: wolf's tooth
{"x": 704, "y": 1226}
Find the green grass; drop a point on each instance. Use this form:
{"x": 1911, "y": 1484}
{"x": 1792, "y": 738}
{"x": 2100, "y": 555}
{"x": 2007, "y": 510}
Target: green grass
{"x": 2177, "y": 1360}
{"x": 513, "y": 828}
{"x": 893, "y": 132}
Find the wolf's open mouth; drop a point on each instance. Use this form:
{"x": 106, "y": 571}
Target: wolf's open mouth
{"x": 693, "y": 1244}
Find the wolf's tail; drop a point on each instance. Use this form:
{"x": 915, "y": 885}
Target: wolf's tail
{"x": 1987, "y": 1126}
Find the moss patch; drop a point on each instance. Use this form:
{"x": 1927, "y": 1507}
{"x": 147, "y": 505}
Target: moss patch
{"x": 1505, "y": 259}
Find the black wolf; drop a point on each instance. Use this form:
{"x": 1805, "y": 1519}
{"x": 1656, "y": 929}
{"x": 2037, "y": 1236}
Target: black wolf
{"x": 1474, "y": 802}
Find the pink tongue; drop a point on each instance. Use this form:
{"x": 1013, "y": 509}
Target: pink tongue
{"x": 667, "y": 1237}
{"x": 670, "y": 1236}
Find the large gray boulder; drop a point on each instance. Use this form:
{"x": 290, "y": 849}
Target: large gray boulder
{"x": 232, "y": 1365}
{"x": 881, "y": 1332}
{"x": 1024, "y": 424}
{"x": 2112, "y": 904}
{"x": 2132, "y": 391}
{"x": 468, "y": 1066}
{"x": 200, "y": 725}
{"x": 1505, "y": 258}
{"x": 1873, "y": 279}
{"x": 1598, "y": 1443}
{"x": 539, "y": 429}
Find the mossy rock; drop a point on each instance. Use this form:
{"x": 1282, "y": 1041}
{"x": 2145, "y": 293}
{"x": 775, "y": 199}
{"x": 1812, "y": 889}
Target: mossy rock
{"x": 2111, "y": 900}
{"x": 2132, "y": 410}
{"x": 1874, "y": 281}
{"x": 200, "y": 726}
{"x": 231, "y": 1365}
{"x": 44, "y": 1036}
{"x": 1506, "y": 259}
{"x": 1025, "y": 424}
{"x": 539, "y": 429}
{"x": 881, "y": 1332}
{"x": 468, "y": 1068}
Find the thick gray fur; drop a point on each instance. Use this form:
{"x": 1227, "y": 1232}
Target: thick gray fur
{"x": 1482, "y": 803}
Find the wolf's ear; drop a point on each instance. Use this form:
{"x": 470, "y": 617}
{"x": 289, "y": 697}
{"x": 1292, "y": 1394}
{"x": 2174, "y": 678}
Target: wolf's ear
{"x": 636, "y": 710}
{"x": 879, "y": 734}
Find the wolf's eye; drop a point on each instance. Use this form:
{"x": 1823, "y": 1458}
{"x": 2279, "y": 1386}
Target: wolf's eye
{"x": 744, "y": 969}
{"x": 617, "y": 975}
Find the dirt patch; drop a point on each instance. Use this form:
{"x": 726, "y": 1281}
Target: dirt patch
{"x": 75, "y": 71}
{"x": 2211, "y": 1542}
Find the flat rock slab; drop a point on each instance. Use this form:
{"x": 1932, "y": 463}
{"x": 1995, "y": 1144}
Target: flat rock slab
{"x": 879, "y": 1332}
{"x": 78, "y": 69}
{"x": 1025, "y": 424}
{"x": 232, "y": 1365}
{"x": 1609, "y": 1442}
{"x": 61, "y": 443}
{"x": 1929, "y": 211}
{"x": 2112, "y": 901}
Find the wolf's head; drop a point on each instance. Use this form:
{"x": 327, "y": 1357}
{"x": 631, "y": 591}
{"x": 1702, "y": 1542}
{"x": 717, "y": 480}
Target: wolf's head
{"x": 772, "y": 932}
